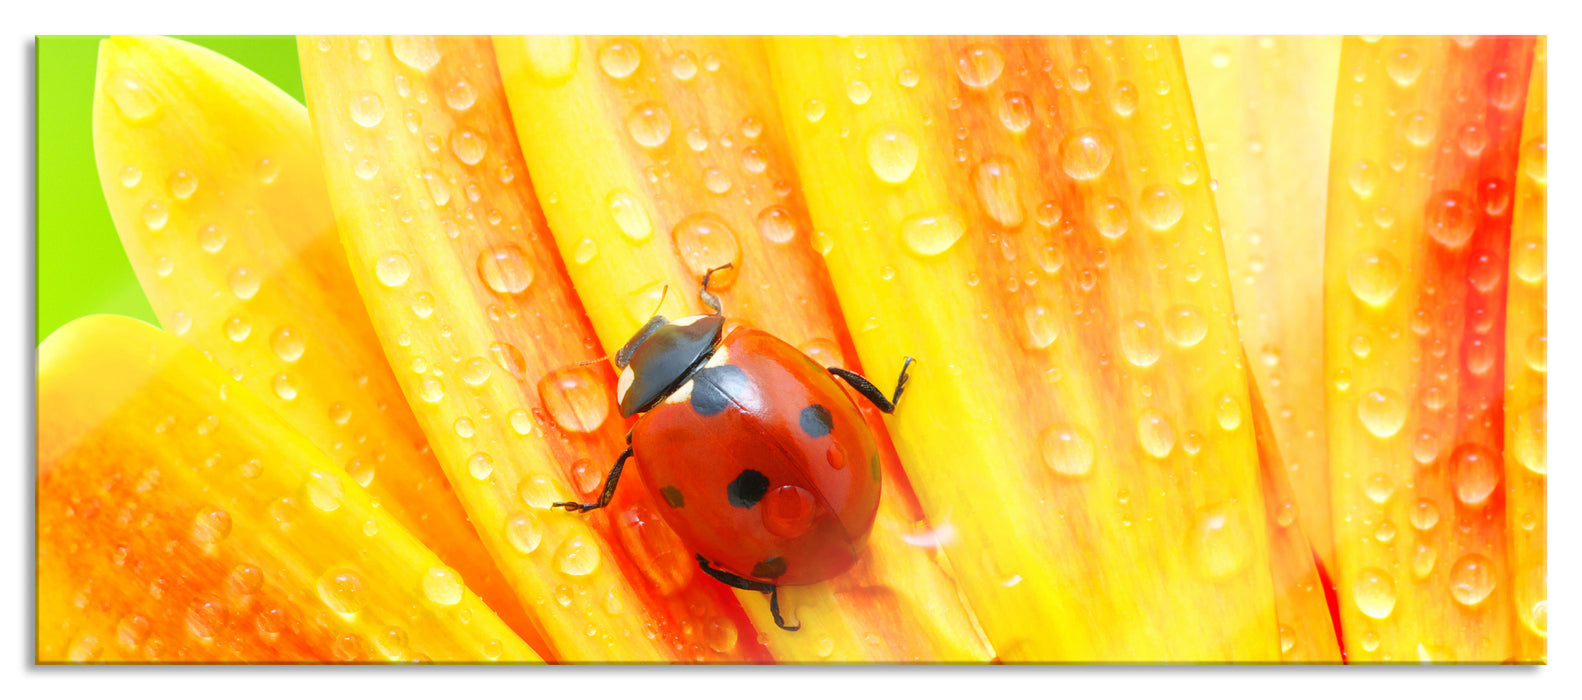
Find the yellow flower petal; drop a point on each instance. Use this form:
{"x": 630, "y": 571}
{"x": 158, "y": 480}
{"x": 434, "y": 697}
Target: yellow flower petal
{"x": 1265, "y": 106}
{"x": 1011, "y": 213}
{"x": 212, "y": 177}
{"x": 448, "y": 245}
{"x": 1526, "y": 377}
{"x": 1427, "y": 132}
{"x": 658, "y": 158}
{"x": 181, "y": 519}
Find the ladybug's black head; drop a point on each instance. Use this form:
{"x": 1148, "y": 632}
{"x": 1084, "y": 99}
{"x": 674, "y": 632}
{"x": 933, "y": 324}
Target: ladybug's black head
{"x": 661, "y": 356}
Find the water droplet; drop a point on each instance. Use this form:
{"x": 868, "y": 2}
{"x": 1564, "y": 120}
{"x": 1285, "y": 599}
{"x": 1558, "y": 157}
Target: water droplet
{"x": 1124, "y": 99}
{"x": 211, "y": 238}
{"x": 813, "y": 110}
{"x": 1042, "y": 327}
{"x": 656, "y": 550}
{"x": 1111, "y": 218}
{"x": 1081, "y": 79}
{"x": 1403, "y": 67}
{"x": 1140, "y": 340}
{"x": 524, "y": 531}
{"x": 1364, "y": 178}
{"x": 1530, "y": 442}
{"x": 392, "y": 269}
{"x": 475, "y": 371}
{"x": 1228, "y": 411}
{"x": 237, "y": 329}
{"x": 1374, "y": 593}
{"x": 1068, "y": 449}
{"x": 1185, "y": 325}
{"x": 504, "y": 269}
{"x": 1532, "y": 598}
{"x": 209, "y": 527}
{"x": 1472, "y": 578}
{"x": 587, "y": 249}
{"x": 892, "y": 154}
{"x": 715, "y": 180}
{"x": 431, "y": 389}
{"x": 509, "y": 359}
{"x": 132, "y": 98}
{"x": 577, "y": 556}
{"x": 468, "y": 146}
{"x": 620, "y": 59}
{"x": 461, "y": 95}
{"x": 418, "y": 52}
{"x": 704, "y": 242}
{"x": 1449, "y": 218}
{"x": 1424, "y": 515}
{"x": 576, "y": 399}
{"x": 551, "y": 58}
{"x": 931, "y": 234}
{"x": 858, "y": 92}
{"x": 1378, "y": 488}
{"x": 777, "y": 225}
{"x": 1473, "y": 140}
{"x": 287, "y": 345}
{"x": 979, "y": 65}
{"x": 649, "y": 125}
{"x": 1505, "y": 90}
{"x": 1160, "y": 207}
{"x": 1535, "y": 160}
{"x": 1527, "y": 259}
{"x": 342, "y": 591}
{"x": 1016, "y": 112}
{"x": 907, "y": 77}
{"x": 1218, "y": 541}
{"x": 1084, "y": 155}
{"x": 1419, "y": 128}
{"x": 132, "y": 630}
{"x": 1154, "y": 433}
{"x": 367, "y": 109}
{"x": 183, "y": 184}
{"x": 155, "y": 215}
{"x": 1374, "y": 276}
{"x": 631, "y": 217}
{"x": 131, "y": 176}
{"x": 1476, "y": 473}
{"x": 684, "y": 65}
{"x": 998, "y": 191}
{"x": 443, "y": 586}
{"x": 1382, "y": 411}
{"x": 206, "y": 619}
{"x": 423, "y": 304}
{"x": 520, "y": 421}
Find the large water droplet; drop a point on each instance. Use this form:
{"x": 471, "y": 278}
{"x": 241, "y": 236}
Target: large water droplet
{"x": 631, "y": 217}
{"x": 1154, "y": 433}
{"x": 619, "y": 59}
{"x": 287, "y": 345}
{"x": 504, "y": 269}
{"x": 392, "y": 269}
{"x": 1364, "y": 178}
{"x": 892, "y": 154}
{"x": 1374, "y": 593}
{"x": 931, "y": 234}
{"x": 418, "y": 52}
{"x": 1472, "y": 578}
{"x": 576, "y": 399}
{"x": 998, "y": 191}
{"x": 468, "y": 146}
{"x": 1084, "y": 155}
{"x": 342, "y": 590}
{"x": 1527, "y": 259}
{"x": 1067, "y": 449}
{"x": 1374, "y": 275}
{"x": 1449, "y": 218}
{"x": 1124, "y": 99}
{"x": 132, "y": 97}
{"x": 577, "y": 556}
{"x": 1419, "y": 128}
{"x": 461, "y": 95}
{"x": 1160, "y": 207}
{"x": 209, "y": 527}
{"x": 1535, "y": 160}
{"x": 1185, "y": 325}
{"x": 979, "y": 65}
{"x": 1403, "y": 67}
{"x": 1382, "y": 411}
{"x": 443, "y": 586}
{"x": 367, "y": 109}
{"x": 1140, "y": 340}
{"x": 777, "y": 224}
{"x": 1016, "y": 112}
{"x": 524, "y": 531}
{"x": 704, "y": 242}
{"x": 1476, "y": 471}
{"x": 649, "y": 125}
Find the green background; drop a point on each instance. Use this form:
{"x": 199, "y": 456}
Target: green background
{"x": 81, "y": 268}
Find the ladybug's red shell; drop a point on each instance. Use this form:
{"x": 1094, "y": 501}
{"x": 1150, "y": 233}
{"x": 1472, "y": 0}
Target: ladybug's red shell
{"x": 762, "y": 463}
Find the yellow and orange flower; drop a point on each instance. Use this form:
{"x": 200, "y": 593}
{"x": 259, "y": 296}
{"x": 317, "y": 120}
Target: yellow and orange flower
{"x": 1151, "y": 420}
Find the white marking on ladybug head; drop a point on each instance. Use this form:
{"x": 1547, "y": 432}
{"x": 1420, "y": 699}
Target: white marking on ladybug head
{"x": 627, "y": 375}
{"x": 687, "y": 320}
{"x": 682, "y": 395}
{"x": 720, "y": 357}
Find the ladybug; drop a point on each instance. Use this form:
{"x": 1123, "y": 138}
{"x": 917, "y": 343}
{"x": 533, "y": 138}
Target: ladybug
{"x": 762, "y": 463}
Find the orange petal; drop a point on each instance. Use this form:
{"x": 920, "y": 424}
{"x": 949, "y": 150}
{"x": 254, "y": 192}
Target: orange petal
{"x": 659, "y": 158}
{"x": 1427, "y": 132}
{"x": 1526, "y": 377}
{"x": 180, "y": 519}
{"x": 1020, "y": 215}
{"x": 472, "y": 305}
{"x": 1265, "y": 106}
{"x": 213, "y": 179}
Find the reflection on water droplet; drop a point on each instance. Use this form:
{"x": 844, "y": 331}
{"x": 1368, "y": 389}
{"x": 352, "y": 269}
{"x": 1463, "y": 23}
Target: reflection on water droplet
{"x": 132, "y": 98}
{"x": 461, "y": 95}
{"x": 1185, "y": 325}
{"x": 1016, "y": 112}
{"x": 1403, "y": 67}
{"x": 1228, "y": 412}
{"x": 1527, "y": 259}
{"x": 468, "y": 146}
{"x": 431, "y": 389}
{"x": 1419, "y": 128}
{"x": 524, "y": 531}
{"x": 342, "y": 591}
{"x": 1160, "y": 207}
{"x": 777, "y": 224}
{"x": 237, "y": 329}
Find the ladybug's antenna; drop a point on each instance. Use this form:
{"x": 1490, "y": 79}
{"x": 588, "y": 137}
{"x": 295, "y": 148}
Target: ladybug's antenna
{"x": 662, "y": 294}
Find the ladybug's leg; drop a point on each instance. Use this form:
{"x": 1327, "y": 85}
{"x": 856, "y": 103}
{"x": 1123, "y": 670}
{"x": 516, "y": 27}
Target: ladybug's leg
{"x": 609, "y": 484}
{"x": 735, "y": 581}
{"x": 871, "y": 392}
{"x": 709, "y": 299}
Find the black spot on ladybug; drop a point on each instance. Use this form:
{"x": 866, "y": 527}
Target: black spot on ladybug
{"x": 873, "y": 465}
{"x": 770, "y": 568}
{"x": 816, "y": 421}
{"x": 747, "y": 488}
{"x": 673, "y": 496}
{"x": 713, "y": 387}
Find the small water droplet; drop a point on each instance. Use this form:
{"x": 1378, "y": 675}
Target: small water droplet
{"x": 1185, "y": 325}
{"x": 1016, "y": 112}
{"x": 418, "y": 52}
{"x": 1084, "y": 155}
{"x": 576, "y": 398}
{"x": 504, "y": 269}
{"x": 1403, "y": 67}
{"x": 155, "y": 215}
{"x": 1218, "y": 541}
{"x": 131, "y": 176}
{"x": 443, "y": 586}
{"x": 1472, "y": 578}
{"x": 524, "y": 531}
{"x": 1068, "y": 450}
{"x": 858, "y": 92}
{"x": 704, "y": 242}
{"x": 1374, "y": 593}
{"x": 813, "y": 110}
{"x": 1160, "y": 207}
{"x": 649, "y": 125}
{"x": 1124, "y": 99}
{"x": 684, "y": 65}
{"x": 998, "y": 191}
{"x": 475, "y": 371}
{"x": 461, "y": 95}
{"x": 892, "y": 154}
{"x": 777, "y": 224}
{"x": 342, "y": 590}
{"x": 1535, "y": 160}
{"x": 620, "y": 59}
{"x": 183, "y": 184}
{"x": 1449, "y": 219}
{"x": 237, "y": 329}
{"x": 1419, "y": 129}
{"x": 1382, "y": 412}
{"x": 1364, "y": 178}
{"x": 931, "y": 234}
{"x": 367, "y": 109}
{"x": 1140, "y": 340}
{"x": 1374, "y": 275}
{"x": 1476, "y": 472}
{"x": 468, "y": 146}
{"x": 209, "y": 527}
{"x": 1228, "y": 412}
{"x": 1154, "y": 433}
{"x": 133, "y": 99}
{"x": 392, "y": 269}
{"x": 1378, "y": 488}
{"x": 577, "y": 556}
{"x": 979, "y": 65}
